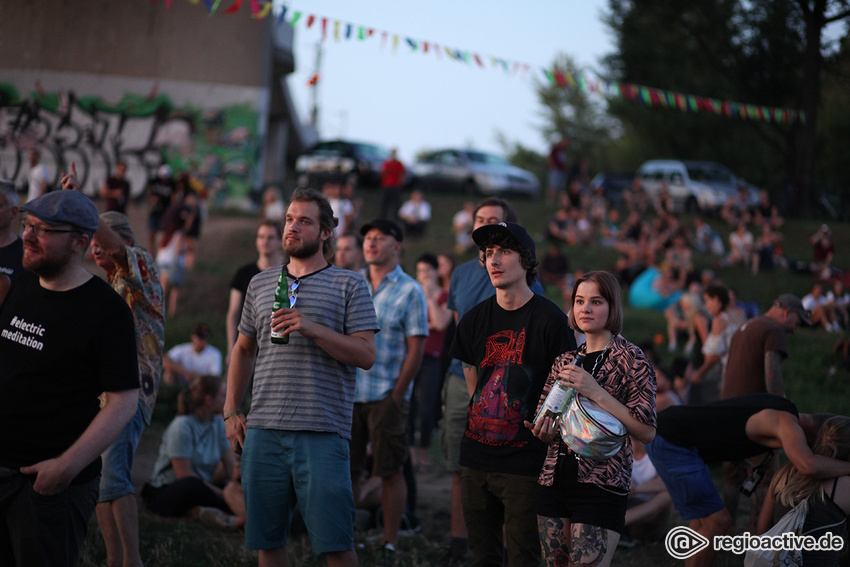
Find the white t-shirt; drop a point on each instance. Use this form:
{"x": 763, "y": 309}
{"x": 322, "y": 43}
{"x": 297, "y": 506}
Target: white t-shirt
{"x": 418, "y": 211}
{"x": 810, "y": 302}
{"x": 342, "y": 209}
{"x": 208, "y": 361}
{"x": 38, "y": 174}
{"x": 462, "y": 224}
{"x": 841, "y": 301}
{"x": 642, "y": 472}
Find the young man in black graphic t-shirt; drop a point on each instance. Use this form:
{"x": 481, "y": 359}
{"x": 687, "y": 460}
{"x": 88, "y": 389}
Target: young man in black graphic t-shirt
{"x": 507, "y": 345}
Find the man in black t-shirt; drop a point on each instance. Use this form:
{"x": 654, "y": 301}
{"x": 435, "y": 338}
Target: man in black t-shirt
{"x": 507, "y": 345}
{"x": 65, "y": 338}
{"x": 160, "y": 194}
{"x": 11, "y": 246}
{"x": 269, "y": 255}
{"x": 116, "y": 190}
{"x": 689, "y": 438}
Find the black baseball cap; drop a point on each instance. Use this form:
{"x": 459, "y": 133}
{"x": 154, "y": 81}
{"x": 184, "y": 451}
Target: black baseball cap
{"x": 518, "y": 233}
{"x": 202, "y": 331}
{"x": 388, "y": 227}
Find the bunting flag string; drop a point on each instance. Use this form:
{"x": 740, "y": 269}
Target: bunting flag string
{"x": 586, "y": 82}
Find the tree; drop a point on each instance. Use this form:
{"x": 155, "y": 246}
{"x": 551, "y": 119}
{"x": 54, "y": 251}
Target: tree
{"x": 572, "y": 112}
{"x": 768, "y": 52}
{"x": 817, "y": 14}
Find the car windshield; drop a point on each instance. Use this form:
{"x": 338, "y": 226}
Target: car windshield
{"x": 709, "y": 173}
{"x": 370, "y": 151}
{"x": 328, "y": 148}
{"x": 488, "y": 159}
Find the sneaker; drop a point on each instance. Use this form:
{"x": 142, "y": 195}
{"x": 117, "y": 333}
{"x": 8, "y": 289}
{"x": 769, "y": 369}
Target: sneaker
{"x": 387, "y": 556}
{"x": 215, "y": 517}
{"x": 410, "y": 524}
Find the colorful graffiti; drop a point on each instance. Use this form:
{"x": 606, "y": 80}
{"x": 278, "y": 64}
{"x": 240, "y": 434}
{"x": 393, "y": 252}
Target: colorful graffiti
{"x": 220, "y": 147}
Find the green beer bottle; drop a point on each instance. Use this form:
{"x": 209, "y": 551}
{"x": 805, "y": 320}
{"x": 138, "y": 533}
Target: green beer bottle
{"x": 281, "y": 300}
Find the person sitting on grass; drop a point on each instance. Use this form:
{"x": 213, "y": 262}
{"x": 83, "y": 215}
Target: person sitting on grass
{"x": 196, "y": 471}
{"x": 650, "y": 505}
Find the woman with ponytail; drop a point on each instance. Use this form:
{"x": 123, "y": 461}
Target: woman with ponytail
{"x": 196, "y": 471}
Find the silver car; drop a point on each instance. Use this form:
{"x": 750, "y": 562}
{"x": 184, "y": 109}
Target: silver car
{"x": 473, "y": 172}
{"x": 694, "y": 186}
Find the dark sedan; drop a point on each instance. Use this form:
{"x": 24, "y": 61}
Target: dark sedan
{"x": 357, "y": 163}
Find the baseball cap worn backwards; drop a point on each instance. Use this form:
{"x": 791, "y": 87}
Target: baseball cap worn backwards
{"x": 483, "y": 233}
{"x": 388, "y": 227}
{"x": 65, "y": 207}
{"x": 792, "y": 302}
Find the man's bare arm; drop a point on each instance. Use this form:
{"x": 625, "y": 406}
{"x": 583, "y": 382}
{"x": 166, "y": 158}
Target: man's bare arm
{"x": 773, "y": 373}
{"x": 410, "y": 366}
{"x": 54, "y": 475}
{"x": 238, "y": 377}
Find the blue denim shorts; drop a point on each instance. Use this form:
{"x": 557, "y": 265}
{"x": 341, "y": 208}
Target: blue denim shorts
{"x": 282, "y": 468}
{"x": 687, "y": 478}
{"x": 118, "y": 460}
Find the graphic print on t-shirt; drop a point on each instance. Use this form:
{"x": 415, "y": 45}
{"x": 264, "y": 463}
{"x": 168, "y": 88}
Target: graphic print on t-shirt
{"x": 498, "y": 409}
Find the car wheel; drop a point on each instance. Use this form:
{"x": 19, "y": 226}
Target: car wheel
{"x": 470, "y": 188}
{"x": 691, "y": 205}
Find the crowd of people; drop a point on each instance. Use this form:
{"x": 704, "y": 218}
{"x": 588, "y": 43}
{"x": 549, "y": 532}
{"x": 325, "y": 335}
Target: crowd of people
{"x": 330, "y": 403}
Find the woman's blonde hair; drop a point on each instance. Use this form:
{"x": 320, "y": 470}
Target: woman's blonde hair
{"x": 833, "y": 440}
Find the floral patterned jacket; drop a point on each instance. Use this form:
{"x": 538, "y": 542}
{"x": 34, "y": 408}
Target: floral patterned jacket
{"x": 142, "y": 291}
{"x": 628, "y": 376}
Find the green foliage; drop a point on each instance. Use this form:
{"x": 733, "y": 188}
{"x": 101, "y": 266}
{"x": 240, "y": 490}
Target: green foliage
{"x": 754, "y": 51}
{"x": 571, "y": 112}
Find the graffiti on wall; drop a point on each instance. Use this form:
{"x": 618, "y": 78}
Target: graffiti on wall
{"x": 219, "y": 147}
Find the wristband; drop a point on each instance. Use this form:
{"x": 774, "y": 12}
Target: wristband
{"x": 230, "y": 414}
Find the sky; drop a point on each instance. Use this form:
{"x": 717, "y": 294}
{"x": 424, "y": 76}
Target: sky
{"x": 417, "y": 101}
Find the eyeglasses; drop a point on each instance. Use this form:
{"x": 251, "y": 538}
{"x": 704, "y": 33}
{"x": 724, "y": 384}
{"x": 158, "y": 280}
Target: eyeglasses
{"x": 293, "y": 293}
{"x": 40, "y": 230}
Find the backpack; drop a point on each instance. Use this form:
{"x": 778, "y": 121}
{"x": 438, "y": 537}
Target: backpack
{"x": 792, "y": 521}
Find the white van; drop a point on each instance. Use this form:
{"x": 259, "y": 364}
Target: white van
{"x": 694, "y": 186}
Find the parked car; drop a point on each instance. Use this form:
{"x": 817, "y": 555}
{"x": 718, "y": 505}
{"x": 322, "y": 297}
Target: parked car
{"x": 694, "y": 186}
{"x": 341, "y": 160}
{"x": 471, "y": 172}
{"x": 613, "y": 185}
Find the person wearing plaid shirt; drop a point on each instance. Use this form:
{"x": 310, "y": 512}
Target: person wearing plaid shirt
{"x": 382, "y": 393}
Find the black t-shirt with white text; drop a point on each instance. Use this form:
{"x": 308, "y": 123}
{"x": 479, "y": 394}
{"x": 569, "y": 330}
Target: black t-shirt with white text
{"x": 59, "y": 350}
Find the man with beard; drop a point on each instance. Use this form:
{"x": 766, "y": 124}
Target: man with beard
{"x": 296, "y": 436}
{"x": 65, "y": 338}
